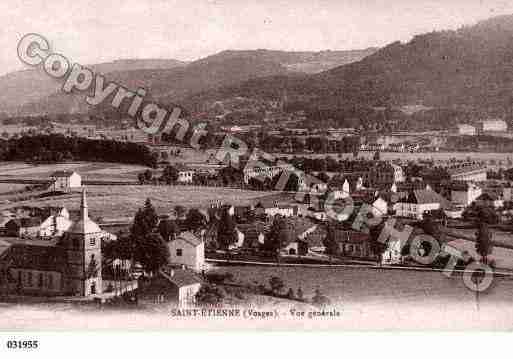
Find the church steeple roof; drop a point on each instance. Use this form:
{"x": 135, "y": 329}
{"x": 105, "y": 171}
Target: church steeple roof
{"x": 84, "y": 225}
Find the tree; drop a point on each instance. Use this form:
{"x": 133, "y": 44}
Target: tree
{"x": 484, "y": 246}
{"x": 168, "y": 229}
{"x": 276, "y": 284}
{"x": 145, "y": 220}
{"x": 279, "y": 236}
{"x": 299, "y": 294}
{"x": 377, "y": 247}
{"x": 195, "y": 219}
{"x": 226, "y": 233}
{"x": 170, "y": 175}
{"x": 180, "y": 211}
{"x": 210, "y": 294}
{"x": 152, "y": 252}
{"x": 330, "y": 242}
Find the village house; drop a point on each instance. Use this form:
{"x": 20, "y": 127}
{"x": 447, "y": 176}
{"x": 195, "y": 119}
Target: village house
{"x": 174, "y": 285}
{"x": 56, "y": 224}
{"x": 297, "y": 247}
{"x": 467, "y": 173}
{"x": 353, "y": 244}
{"x": 23, "y": 227}
{"x": 65, "y": 180}
{"x": 251, "y": 235}
{"x": 463, "y": 194}
{"x": 379, "y": 207}
{"x": 392, "y": 253}
{"x": 419, "y": 202}
{"x": 185, "y": 173}
{"x": 187, "y": 250}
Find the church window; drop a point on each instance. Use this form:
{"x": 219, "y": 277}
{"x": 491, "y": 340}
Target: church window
{"x": 179, "y": 252}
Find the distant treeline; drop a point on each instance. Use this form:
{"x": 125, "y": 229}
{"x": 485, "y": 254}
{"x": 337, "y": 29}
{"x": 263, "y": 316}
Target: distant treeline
{"x": 58, "y": 148}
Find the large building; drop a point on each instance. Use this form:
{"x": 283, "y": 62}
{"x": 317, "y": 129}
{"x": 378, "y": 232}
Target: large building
{"x": 467, "y": 173}
{"x": 494, "y": 125}
{"x": 419, "y": 202}
{"x": 69, "y": 265}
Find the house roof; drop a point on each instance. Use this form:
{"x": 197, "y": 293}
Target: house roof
{"x": 190, "y": 238}
{"x": 37, "y": 257}
{"x": 25, "y": 222}
{"x": 62, "y": 173}
{"x": 465, "y": 169}
{"x": 488, "y": 197}
{"x": 180, "y": 167}
{"x": 424, "y": 196}
{"x": 179, "y": 277}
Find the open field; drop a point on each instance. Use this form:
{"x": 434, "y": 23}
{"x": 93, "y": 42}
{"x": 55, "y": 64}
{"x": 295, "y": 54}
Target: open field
{"x": 10, "y": 187}
{"x": 88, "y": 170}
{"x": 124, "y": 200}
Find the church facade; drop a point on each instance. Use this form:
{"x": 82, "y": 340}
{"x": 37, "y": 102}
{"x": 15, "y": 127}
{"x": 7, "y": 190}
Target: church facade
{"x": 70, "y": 265}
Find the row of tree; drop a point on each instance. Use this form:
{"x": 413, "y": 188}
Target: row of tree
{"x": 58, "y": 148}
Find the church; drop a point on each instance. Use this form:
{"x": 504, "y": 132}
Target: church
{"x": 70, "y": 265}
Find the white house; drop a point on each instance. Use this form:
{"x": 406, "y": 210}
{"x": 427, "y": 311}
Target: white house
{"x": 379, "y": 207}
{"x": 187, "y": 250}
{"x": 56, "y": 224}
{"x": 185, "y": 174}
{"x": 184, "y": 286}
{"x": 467, "y": 130}
{"x": 392, "y": 254}
{"x": 464, "y": 194}
{"x": 418, "y": 202}
{"x": 65, "y": 180}
{"x": 494, "y": 125}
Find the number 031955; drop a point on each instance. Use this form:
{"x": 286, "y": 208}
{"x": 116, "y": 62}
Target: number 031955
{"x": 22, "y": 344}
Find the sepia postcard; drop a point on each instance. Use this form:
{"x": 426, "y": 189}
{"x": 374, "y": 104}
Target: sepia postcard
{"x": 233, "y": 165}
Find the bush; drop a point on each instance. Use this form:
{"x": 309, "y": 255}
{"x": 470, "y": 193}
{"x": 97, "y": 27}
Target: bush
{"x": 210, "y": 294}
{"x": 320, "y": 300}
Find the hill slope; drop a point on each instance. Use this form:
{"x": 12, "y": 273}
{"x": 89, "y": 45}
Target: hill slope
{"x": 223, "y": 69}
{"x": 469, "y": 68}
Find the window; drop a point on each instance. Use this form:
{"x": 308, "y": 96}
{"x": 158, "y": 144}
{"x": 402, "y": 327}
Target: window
{"x": 179, "y": 252}
{"x": 92, "y": 241}
{"x": 29, "y": 279}
{"x": 50, "y": 281}
{"x": 40, "y": 281}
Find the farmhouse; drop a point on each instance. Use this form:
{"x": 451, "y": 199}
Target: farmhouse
{"x": 187, "y": 250}
{"x": 174, "y": 285}
{"x": 65, "y": 180}
{"x": 418, "y": 202}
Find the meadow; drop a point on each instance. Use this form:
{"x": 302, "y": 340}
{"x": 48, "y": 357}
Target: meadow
{"x": 123, "y": 200}
{"x": 88, "y": 170}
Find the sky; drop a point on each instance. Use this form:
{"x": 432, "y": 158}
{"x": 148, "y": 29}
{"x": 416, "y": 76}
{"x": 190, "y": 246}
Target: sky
{"x": 94, "y": 31}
